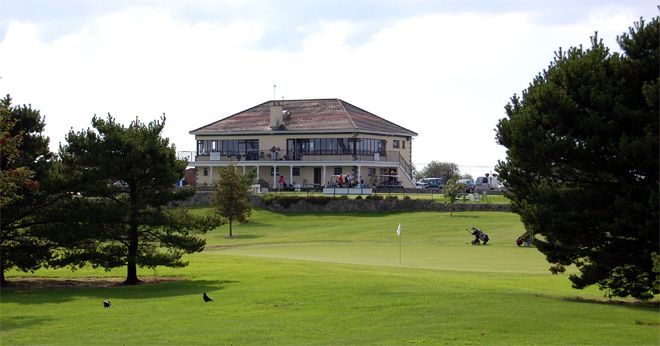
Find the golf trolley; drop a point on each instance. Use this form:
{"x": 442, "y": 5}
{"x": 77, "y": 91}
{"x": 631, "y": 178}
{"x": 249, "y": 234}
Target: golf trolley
{"x": 479, "y": 236}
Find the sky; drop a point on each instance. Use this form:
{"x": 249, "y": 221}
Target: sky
{"x": 444, "y": 69}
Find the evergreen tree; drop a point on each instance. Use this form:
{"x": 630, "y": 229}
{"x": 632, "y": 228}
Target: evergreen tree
{"x": 582, "y": 162}
{"x": 232, "y": 196}
{"x": 26, "y": 189}
{"x": 126, "y": 179}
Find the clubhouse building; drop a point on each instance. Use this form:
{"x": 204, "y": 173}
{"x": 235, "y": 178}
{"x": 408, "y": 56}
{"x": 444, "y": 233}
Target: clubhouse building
{"x": 308, "y": 143}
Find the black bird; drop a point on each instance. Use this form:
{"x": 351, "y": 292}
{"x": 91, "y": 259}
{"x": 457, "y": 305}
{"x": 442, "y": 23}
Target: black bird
{"x": 106, "y": 304}
{"x": 206, "y": 298}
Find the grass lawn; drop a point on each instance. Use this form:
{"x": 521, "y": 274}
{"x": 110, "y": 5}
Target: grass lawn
{"x": 336, "y": 279}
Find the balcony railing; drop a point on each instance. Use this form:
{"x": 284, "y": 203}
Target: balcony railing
{"x": 281, "y": 155}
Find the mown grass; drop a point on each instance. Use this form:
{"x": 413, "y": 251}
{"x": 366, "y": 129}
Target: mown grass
{"x": 336, "y": 279}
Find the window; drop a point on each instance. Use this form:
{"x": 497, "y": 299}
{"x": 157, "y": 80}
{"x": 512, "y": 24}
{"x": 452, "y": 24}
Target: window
{"x": 296, "y": 171}
{"x": 403, "y": 144}
{"x": 206, "y": 172}
{"x": 337, "y": 170}
{"x": 272, "y": 172}
{"x": 395, "y": 143}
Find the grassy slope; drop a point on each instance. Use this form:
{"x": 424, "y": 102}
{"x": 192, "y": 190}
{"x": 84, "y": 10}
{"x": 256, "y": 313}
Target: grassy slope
{"x": 336, "y": 279}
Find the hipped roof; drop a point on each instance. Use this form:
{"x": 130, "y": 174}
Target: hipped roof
{"x": 304, "y": 116}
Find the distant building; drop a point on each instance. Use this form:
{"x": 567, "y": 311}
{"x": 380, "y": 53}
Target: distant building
{"x": 308, "y": 142}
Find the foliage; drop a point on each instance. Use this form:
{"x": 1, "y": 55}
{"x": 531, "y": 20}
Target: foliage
{"x": 444, "y": 170}
{"x": 232, "y": 195}
{"x": 12, "y": 178}
{"x": 451, "y": 191}
{"x": 26, "y": 187}
{"x": 582, "y": 161}
{"x": 126, "y": 178}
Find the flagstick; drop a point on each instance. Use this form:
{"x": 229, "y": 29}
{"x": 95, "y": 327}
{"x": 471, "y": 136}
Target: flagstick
{"x": 399, "y": 249}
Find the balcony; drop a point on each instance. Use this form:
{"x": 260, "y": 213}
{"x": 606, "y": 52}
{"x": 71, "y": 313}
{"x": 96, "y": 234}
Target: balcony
{"x": 269, "y": 157}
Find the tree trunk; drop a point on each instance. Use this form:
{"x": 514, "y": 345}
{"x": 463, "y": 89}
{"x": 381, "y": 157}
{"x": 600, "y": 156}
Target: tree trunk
{"x": 3, "y": 282}
{"x": 131, "y": 277}
{"x": 231, "y": 236}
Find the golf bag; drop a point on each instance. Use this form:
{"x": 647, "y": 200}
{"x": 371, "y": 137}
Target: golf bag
{"x": 525, "y": 240}
{"x": 479, "y": 236}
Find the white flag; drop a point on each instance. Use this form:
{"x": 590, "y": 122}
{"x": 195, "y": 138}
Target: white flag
{"x": 398, "y": 231}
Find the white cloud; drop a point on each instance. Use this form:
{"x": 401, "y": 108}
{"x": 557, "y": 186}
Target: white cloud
{"x": 445, "y": 76}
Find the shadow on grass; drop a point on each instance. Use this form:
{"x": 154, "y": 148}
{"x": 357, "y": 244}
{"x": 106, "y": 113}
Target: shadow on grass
{"x": 244, "y": 236}
{"x": 16, "y": 322}
{"x": 113, "y": 290}
{"x": 639, "y": 305}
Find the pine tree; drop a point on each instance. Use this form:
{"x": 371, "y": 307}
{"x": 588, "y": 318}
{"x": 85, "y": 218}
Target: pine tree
{"x": 25, "y": 189}
{"x": 582, "y": 162}
{"x": 126, "y": 179}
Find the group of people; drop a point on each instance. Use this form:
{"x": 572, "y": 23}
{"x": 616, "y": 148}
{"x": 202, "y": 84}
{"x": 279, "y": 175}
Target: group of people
{"x": 349, "y": 181}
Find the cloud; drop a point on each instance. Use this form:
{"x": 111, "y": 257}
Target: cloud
{"x": 446, "y": 75}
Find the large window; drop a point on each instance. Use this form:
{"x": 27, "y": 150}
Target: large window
{"x": 242, "y": 148}
{"x": 334, "y": 146}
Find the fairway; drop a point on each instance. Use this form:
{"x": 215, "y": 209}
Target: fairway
{"x": 337, "y": 279}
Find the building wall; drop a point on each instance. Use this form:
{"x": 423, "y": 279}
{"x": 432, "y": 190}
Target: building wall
{"x": 266, "y": 142}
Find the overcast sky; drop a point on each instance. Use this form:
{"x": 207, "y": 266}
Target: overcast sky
{"x": 444, "y": 69}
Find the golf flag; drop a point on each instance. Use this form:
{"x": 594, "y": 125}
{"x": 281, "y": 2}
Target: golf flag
{"x": 398, "y": 231}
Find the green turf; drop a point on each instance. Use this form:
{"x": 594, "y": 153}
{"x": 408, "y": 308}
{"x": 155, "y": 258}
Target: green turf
{"x": 336, "y": 279}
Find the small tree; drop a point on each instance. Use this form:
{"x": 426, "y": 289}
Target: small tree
{"x": 444, "y": 170}
{"x": 232, "y": 196}
{"x": 451, "y": 191}
{"x": 126, "y": 177}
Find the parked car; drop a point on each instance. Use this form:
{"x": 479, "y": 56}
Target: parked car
{"x": 420, "y": 185}
{"x": 469, "y": 184}
{"x": 433, "y": 183}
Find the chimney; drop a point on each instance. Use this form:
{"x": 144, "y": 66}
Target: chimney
{"x": 276, "y": 115}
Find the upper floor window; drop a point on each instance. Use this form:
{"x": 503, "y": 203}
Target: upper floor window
{"x": 403, "y": 144}
{"x": 395, "y": 143}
